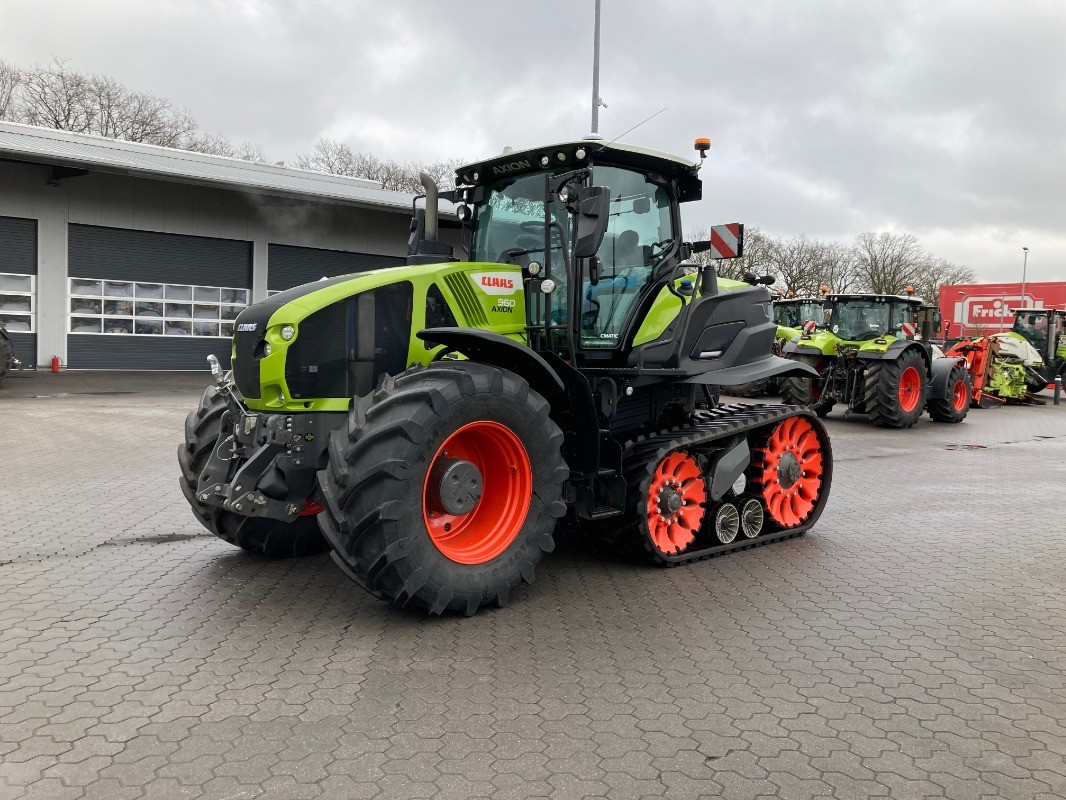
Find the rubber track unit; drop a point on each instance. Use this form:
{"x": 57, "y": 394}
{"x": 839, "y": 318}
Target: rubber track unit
{"x": 881, "y": 391}
{"x": 203, "y": 429}
{"x": 373, "y": 486}
{"x": 705, "y": 428}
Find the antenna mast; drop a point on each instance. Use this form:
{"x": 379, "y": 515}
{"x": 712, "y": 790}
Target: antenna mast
{"x": 596, "y": 72}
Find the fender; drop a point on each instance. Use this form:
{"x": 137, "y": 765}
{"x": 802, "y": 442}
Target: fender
{"x": 493, "y": 348}
{"x": 769, "y": 367}
{"x": 895, "y": 350}
{"x": 942, "y": 367}
{"x": 793, "y": 346}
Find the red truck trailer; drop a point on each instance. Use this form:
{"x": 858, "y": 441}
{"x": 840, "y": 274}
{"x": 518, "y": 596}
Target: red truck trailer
{"x": 979, "y": 309}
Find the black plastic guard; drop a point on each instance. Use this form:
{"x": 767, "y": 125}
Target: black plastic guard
{"x": 769, "y": 367}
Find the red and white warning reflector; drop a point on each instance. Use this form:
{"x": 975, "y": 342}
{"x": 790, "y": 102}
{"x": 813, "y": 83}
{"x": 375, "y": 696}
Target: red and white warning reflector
{"x": 727, "y": 241}
{"x": 908, "y": 329}
{"x": 809, "y": 326}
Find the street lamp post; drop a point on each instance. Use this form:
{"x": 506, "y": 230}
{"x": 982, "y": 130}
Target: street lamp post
{"x": 1025, "y": 264}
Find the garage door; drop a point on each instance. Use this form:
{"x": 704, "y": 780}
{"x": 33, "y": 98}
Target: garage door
{"x": 290, "y": 266}
{"x": 153, "y": 301}
{"x": 18, "y": 285}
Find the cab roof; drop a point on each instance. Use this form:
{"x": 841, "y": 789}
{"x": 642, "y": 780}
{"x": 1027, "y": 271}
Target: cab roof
{"x": 1037, "y": 311}
{"x": 877, "y": 298}
{"x": 576, "y": 154}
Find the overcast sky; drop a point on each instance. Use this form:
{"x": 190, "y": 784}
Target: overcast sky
{"x": 945, "y": 119}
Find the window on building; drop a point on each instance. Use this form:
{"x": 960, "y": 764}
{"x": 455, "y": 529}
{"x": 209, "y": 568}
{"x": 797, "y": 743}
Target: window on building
{"x": 153, "y": 309}
{"x": 17, "y": 293}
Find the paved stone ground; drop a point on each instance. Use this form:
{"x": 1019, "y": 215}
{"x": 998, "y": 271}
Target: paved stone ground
{"x": 912, "y": 645}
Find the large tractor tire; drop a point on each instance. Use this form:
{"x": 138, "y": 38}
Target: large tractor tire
{"x": 758, "y": 388}
{"x": 204, "y": 428}
{"x": 896, "y": 390}
{"x": 955, "y": 402}
{"x": 804, "y": 392}
{"x": 444, "y": 489}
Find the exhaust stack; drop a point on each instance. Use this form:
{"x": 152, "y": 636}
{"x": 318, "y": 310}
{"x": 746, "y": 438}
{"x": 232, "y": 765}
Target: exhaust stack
{"x": 424, "y": 247}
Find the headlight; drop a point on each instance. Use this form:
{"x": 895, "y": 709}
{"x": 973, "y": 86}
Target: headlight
{"x": 287, "y": 332}
{"x": 266, "y": 349}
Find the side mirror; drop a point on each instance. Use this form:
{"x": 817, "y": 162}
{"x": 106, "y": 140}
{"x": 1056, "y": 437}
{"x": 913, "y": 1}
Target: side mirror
{"x": 591, "y": 210}
{"x": 938, "y": 322}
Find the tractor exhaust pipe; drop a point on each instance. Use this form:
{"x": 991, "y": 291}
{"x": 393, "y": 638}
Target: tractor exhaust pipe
{"x": 432, "y": 192}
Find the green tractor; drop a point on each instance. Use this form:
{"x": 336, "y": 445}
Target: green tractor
{"x": 432, "y": 423}
{"x": 789, "y": 313}
{"x": 869, "y": 359}
{"x": 1044, "y": 329}
{"x": 8, "y": 361}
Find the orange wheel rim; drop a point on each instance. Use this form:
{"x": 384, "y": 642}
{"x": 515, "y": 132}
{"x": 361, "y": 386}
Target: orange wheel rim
{"x": 959, "y": 396}
{"x": 499, "y": 511}
{"x": 675, "y": 503}
{"x": 910, "y": 388}
{"x": 792, "y": 469}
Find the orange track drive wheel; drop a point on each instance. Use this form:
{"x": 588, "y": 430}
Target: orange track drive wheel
{"x": 791, "y": 471}
{"x": 477, "y": 492}
{"x": 676, "y": 495}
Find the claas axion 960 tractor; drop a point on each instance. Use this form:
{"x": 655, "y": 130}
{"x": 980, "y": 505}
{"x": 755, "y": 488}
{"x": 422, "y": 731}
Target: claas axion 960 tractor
{"x": 869, "y": 358}
{"x": 435, "y": 421}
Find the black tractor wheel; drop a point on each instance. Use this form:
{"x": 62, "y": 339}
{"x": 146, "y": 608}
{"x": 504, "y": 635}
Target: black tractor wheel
{"x": 204, "y": 429}
{"x": 955, "y": 403}
{"x": 444, "y": 489}
{"x": 757, "y": 388}
{"x": 896, "y": 390}
{"x": 7, "y": 356}
{"x": 805, "y": 392}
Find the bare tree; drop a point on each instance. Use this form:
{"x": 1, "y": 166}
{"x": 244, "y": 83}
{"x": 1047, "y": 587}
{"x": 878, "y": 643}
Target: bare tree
{"x": 936, "y": 272}
{"x": 795, "y": 262}
{"x": 836, "y": 266}
{"x": 754, "y": 259}
{"x": 10, "y": 80}
{"x": 337, "y": 158}
{"x": 888, "y": 262}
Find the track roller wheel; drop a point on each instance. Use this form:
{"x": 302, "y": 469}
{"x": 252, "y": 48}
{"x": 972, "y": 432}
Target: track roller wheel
{"x": 790, "y": 469}
{"x": 674, "y": 502}
{"x": 444, "y": 488}
{"x": 752, "y": 517}
{"x": 726, "y": 523}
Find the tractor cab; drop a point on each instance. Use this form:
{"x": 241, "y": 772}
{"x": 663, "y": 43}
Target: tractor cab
{"x": 1043, "y": 328}
{"x": 865, "y": 317}
{"x": 793, "y": 312}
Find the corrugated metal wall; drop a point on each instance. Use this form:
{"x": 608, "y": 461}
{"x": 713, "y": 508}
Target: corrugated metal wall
{"x": 18, "y": 255}
{"x": 290, "y": 266}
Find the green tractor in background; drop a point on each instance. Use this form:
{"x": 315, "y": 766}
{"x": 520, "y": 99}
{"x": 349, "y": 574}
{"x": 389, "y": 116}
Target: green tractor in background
{"x": 789, "y": 313}
{"x": 8, "y": 361}
{"x": 431, "y": 423}
{"x": 1045, "y": 330}
{"x": 869, "y": 359}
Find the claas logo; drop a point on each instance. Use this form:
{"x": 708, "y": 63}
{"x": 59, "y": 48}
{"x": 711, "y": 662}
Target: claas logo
{"x": 497, "y": 283}
{"x": 501, "y": 283}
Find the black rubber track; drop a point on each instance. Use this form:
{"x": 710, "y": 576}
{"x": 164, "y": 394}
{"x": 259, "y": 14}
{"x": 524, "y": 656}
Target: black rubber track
{"x": 626, "y": 535}
{"x": 942, "y": 409}
{"x": 377, "y": 466}
{"x": 204, "y": 427}
{"x": 800, "y": 391}
{"x": 7, "y": 356}
{"x": 881, "y": 391}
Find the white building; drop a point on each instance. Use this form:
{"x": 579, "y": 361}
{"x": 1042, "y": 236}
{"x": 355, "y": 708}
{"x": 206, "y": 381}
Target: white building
{"x": 115, "y": 255}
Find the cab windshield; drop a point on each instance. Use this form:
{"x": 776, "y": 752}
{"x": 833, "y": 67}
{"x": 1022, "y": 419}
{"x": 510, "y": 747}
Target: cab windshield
{"x": 793, "y": 315}
{"x": 1034, "y": 328}
{"x": 859, "y": 320}
{"x": 509, "y": 229}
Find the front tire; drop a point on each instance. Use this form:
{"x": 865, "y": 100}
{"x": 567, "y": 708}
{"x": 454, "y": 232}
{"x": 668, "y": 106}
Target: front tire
{"x": 396, "y": 526}
{"x": 955, "y": 403}
{"x": 896, "y": 391}
{"x": 270, "y": 537}
{"x": 804, "y": 392}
